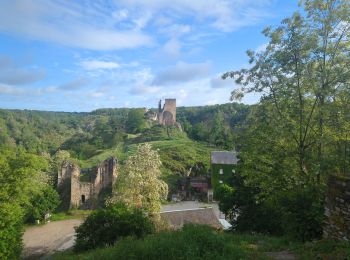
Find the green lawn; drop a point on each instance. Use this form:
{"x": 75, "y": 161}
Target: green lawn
{"x": 71, "y": 214}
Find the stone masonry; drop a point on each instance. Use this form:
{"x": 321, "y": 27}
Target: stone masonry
{"x": 337, "y": 209}
{"x": 84, "y": 188}
{"x": 167, "y": 114}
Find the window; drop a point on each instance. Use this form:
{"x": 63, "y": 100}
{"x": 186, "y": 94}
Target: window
{"x": 82, "y": 198}
{"x": 221, "y": 171}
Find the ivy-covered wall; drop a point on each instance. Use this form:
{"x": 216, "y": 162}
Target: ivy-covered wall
{"x": 216, "y": 177}
{"x": 337, "y": 209}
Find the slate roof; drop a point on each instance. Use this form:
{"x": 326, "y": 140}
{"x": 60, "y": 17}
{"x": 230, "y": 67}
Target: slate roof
{"x": 177, "y": 218}
{"x": 223, "y": 157}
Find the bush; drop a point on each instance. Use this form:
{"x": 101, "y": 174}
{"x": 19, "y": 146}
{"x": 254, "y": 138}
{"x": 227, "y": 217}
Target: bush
{"x": 46, "y": 201}
{"x": 192, "y": 242}
{"x": 296, "y": 213}
{"x": 11, "y": 230}
{"x": 105, "y": 226}
{"x": 302, "y": 213}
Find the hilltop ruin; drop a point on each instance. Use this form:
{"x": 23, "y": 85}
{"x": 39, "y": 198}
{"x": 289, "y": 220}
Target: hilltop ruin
{"x": 167, "y": 114}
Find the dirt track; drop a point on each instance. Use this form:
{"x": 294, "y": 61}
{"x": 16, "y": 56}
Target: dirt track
{"x": 55, "y": 236}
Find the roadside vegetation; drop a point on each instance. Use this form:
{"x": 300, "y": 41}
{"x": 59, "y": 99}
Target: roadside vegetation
{"x": 202, "y": 242}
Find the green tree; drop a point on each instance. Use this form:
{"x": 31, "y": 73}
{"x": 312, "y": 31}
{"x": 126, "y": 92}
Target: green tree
{"x": 45, "y": 201}
{"x": 217, "y": 134}
{"x": 139, "y": 184}
{"x": 19, "y": 173}
{"x": 292, "y": 139}
{"x": 104, "y": 227}
{"x": 136, "y": 121}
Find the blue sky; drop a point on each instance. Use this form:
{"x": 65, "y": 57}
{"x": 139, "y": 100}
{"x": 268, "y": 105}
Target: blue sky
{"x": 84, "y": 55}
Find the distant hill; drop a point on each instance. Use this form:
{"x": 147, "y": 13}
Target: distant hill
{"x": 94, "y": 136}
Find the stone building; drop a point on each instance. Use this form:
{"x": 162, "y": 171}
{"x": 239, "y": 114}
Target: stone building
{"x": 85, "y": 189}
{"x": 222, "y": 167}
{"x": 167, "y": 114}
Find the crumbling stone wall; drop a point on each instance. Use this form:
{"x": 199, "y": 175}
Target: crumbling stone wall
{"x": 167, "y": 114}
{"x": 85, "y": 194}
{"x": 337, "y": 209}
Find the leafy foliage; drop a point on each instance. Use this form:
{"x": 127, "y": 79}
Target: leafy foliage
{"x": 192, "y": 242}
{"x": 217, "y": 125}
{"x": 136, "y": 120}
{"x": 46, "y": 201}
{"x": 139, "y": 184}
{"x": 19, "y": 173}
{"x": 297, "y": 135}
{"x": 104, "y": 227}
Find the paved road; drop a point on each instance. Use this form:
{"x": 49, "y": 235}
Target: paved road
{"x": 191, "y": 205}
{"x": 55, "y": 236}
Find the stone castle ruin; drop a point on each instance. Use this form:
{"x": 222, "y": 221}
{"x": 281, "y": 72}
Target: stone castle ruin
{"x": 167, "y": 114}
{"x": 86, "y": 189}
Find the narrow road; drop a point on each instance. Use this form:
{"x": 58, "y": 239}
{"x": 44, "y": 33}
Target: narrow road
{"x": 59, "y": 235}
{"x": 55, "y": 236}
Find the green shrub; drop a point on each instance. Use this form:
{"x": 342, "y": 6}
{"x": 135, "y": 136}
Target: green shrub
{"x": 192, "y": 242}
{"x": 105, "y": 226}
{"x": 296, "y": 213}
{"x": 11, "y": 230}
{"x": 46, "y": 201}
{"x": 302, "y": 213}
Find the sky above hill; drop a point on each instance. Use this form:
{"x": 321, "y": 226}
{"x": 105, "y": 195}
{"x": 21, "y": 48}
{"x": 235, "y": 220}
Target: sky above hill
{"x": 84, "y": 55}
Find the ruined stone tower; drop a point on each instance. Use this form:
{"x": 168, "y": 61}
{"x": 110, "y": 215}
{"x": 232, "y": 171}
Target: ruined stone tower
{"x": 167, "y": 114}
{"x": 85, "y": 188}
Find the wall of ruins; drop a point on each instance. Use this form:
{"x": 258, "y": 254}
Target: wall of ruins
{"x": 85, "y": 194}
{"x": 337, "y": 209}
{"x": 167, "y": 114}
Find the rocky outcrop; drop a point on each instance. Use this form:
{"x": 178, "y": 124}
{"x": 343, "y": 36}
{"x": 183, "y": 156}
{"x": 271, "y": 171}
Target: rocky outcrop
{"x": 337, "y": 209}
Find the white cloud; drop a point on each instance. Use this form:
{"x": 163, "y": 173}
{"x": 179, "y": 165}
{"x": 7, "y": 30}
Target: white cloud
{"x": 6, "y": 89}
{"x": 182, "y": 72}
{"x": 12, "y": 90}
{"x": 64, "y": 23}
{"x": 218, "y": 82}
{"x": 172, "y": 48}
{"x": 141, "y": 90}
{"x": 74, "y": 84}
{"x": 222, "y": 14}
{"x": 99, "y": 65}
{"x": 96, "y": 94}
{"x": 120, "y": 15}
{"x": 12, "y": 74}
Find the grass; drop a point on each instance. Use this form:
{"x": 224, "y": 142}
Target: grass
{"x": 202, "y": 242}
{"x": 178, "y": 153}
{"x": 193, "y": 242}
{"x": 325, "y": 249}
{"x": 71, "y": 214}
{"x": 117, "y": 152}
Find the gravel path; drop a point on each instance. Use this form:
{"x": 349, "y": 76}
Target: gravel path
{"x": 55, "y": 236}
